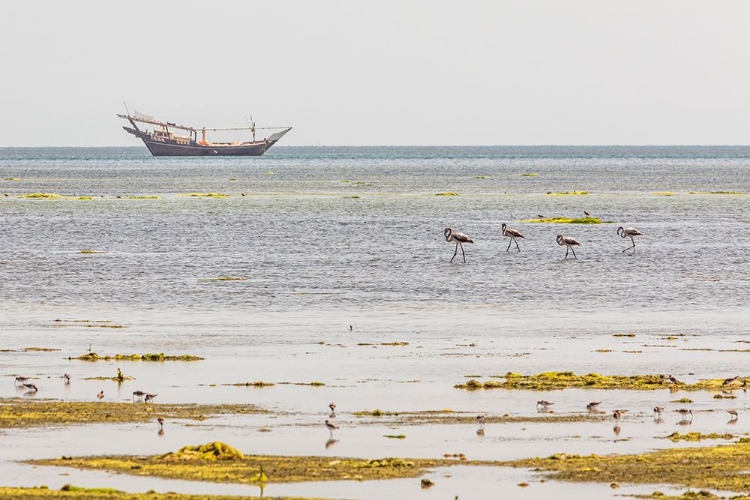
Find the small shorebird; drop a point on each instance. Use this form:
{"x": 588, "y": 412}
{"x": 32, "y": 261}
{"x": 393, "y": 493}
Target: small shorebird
{"x": 21, "y": 380}
{"x": 586, "y": 213}
{"x": 160, "y": 422}
{"x": 331, "y": 426}
{"x": 734, "y": 413}
{"x": 672, "y": 379}
{"x": 332, "y": 406}
{"x": 66, "y": 377}
{"x": 138, "y": 394}
{"x": 544, "y": 404}
{"x": 658, "y": 410}
{"x": 150, "y": 397}
{"x": 459, "y": 238}
{"x": 685, "y": 412}
{"x": 594, "y": 405}
{"x": 616, "y": 414}
{"x": 30, "y": 387}
{"x": 629, "y": 232}
{"x": 481, "y": 419}
{"x": 100, "y": 396}
{"x": 512, "y": 234}
{"x": 728, "y": 381}
{"x": 568, "y": 242}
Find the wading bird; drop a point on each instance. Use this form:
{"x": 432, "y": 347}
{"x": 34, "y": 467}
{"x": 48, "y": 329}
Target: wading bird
{"x": 568, "y": 242}
{"x": 728, "y": 381}
{"x": 66, "y": 377}
{"x": 481, "y": 419}
{"x": 685, "y": 412}
{"x": 544, "y": 404}
{"x": 31, "y": 387}
{"x": 331, "y": 427}
{"x": 138, "y": 394}
{"x": 617, "y": 414}
{"x": 594, "y": 405}
{"x": 459, "y": 238}
{"x": 629, "y": 232}
{"x": 734, "y": 413}
{"x": 150, "y": 397}
{"x": 100, "y": 396}
{"x": 658, "y": 410}
{"x": 512, "y": 234}
{"x": 21, "y": 380}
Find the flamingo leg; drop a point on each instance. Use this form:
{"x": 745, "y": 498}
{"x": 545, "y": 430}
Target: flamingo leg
{"x": 463, "y": 253}
{"x": 510, "y": 242}
{"x": 454, "y": 253}
{"x": 519, "y": 248}
{"x": 574, "y": 253}
{"x": 566, "y": 253}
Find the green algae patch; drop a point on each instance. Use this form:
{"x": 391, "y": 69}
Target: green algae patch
{"x": 530, "y": 174}
{"x": 251, "y": 384}
{"x": 568, "y": 380}
{"x": 12, "y": 179}
{"x": 567, "y": 193}
{"x": 23, "y": 413}
{"x": 92, "y": 356}
{"x": 447, "y": 193}
{"x": 89, "y": 251}
{"x": 722, "y": 467}
{"x": 83, "y": 198}
{"x": 144, "y": 197}
{"x": 205, "y": 195}
{"x": 394, "y": 436}
{"x": 623, "y": 334}
{"x": 716, "y": 192}
{"x": 211, "y": 451}
{"x": 218, "y": 462}
{"x": 481, "y": 176}
{"x": 565, "y": 220}
{"x": 78, "y": 493}
{"x": 663, "y": 193}
{"x": 48, "y": 196}
{"x": 697, "y": 436}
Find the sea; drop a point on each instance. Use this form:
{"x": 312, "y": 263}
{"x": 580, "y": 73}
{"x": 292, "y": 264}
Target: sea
{"x": 329, "y": 264}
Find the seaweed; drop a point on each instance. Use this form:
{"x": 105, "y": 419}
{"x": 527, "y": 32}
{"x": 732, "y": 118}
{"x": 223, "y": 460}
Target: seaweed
{"x": 566, "y": 380}
{"x": 219, "y": 462}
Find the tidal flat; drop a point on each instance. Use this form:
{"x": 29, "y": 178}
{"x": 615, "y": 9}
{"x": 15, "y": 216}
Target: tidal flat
{"x": 299, "y": 290}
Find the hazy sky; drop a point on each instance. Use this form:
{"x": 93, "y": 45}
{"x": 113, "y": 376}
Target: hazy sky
{"x": 381, "y": 72}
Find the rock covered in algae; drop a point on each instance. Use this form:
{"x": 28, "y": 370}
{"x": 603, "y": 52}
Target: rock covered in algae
{"x": 211, "y": 451}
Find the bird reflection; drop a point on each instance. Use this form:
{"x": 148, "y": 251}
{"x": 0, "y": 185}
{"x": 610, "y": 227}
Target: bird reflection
{"x": 331, "y": 442}
{"x": 732, "y": 421}
{"x": 616, "y": 429}
{"x": 685, "y": 422}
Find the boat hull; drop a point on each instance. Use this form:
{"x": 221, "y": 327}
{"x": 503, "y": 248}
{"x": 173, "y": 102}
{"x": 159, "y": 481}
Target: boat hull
{"x": 173, "y": 148}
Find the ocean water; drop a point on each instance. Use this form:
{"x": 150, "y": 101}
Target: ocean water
{"x": 342, "y": 249}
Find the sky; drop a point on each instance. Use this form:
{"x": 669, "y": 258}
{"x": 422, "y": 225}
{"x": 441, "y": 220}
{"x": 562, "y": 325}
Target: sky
{"x": 402, "y": 72}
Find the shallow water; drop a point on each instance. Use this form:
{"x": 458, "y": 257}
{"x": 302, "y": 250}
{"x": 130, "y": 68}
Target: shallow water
{"x": 315, "y": 261}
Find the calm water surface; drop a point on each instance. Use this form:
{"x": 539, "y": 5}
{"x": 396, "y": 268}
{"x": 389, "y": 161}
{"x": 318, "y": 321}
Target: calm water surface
{"x": 325, "y": 238}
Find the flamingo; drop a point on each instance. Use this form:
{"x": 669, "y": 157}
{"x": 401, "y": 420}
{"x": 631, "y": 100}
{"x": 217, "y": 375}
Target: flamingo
{"x": 459, "y": 238}
{"x": 629, "y": 232}
{"x": 512, "y": 234}
{"x": 568, "y": 242}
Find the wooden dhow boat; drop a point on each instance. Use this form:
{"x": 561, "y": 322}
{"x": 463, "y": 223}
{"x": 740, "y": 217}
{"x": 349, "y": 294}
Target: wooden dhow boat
{"x": 171, "y": 139}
